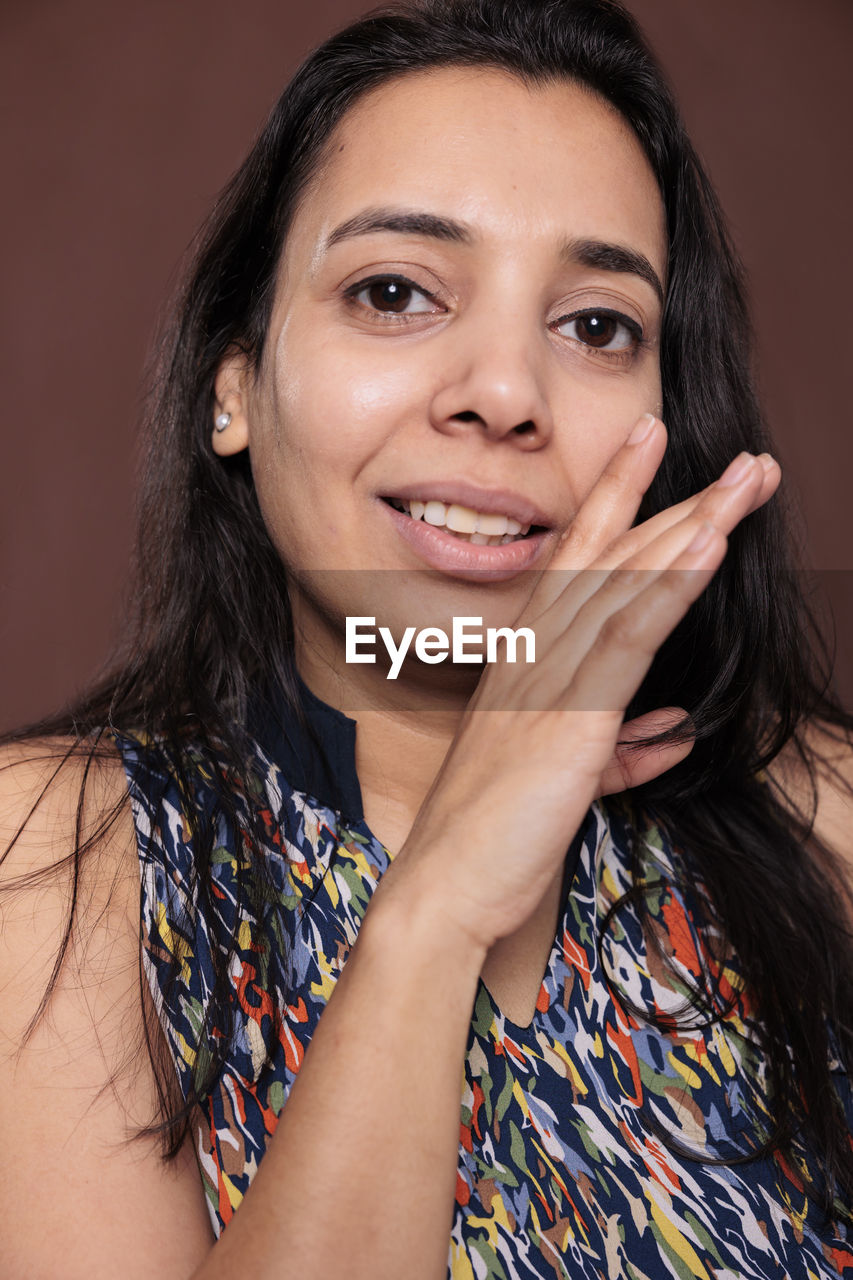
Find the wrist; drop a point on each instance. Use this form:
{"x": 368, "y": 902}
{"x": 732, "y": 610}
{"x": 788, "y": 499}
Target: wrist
{"x": 412, "y": 920}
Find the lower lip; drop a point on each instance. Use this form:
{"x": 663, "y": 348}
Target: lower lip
{"x": 441, "y": 550}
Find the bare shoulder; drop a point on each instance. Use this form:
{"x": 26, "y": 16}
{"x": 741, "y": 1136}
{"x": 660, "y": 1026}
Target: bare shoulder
{"x": 832, "y": 753}
{"x": 55, "y": 799}
{"x": 40, "y": 794}
{"x": 81, "y": 1196}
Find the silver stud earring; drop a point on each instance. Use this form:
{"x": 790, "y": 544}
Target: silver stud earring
{"x": 222, "y": 421}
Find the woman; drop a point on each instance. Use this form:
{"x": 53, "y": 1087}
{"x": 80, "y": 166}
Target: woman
{"x": 427, "y": 351}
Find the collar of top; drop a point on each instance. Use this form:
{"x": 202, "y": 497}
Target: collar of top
{"x": 313, "y": 745}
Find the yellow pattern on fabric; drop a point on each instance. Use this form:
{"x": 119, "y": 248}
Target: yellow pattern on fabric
{"x": 174, "y": 943}
{"x": 497, "y": 1218}
{"x": 327, "y": 985}
{"x": 704, "y": 1062}
{"x": 688, "y": 1075}
{"x": 460, "y": 1263}
{"x": 678, "y": 1244}
{"x": 722, "y": 1046}
{"x": 355, "y": 853}
{"x": 187, "y": 1053}
{"x": 235, "y": 1197}
{"x": 561, "y": 1052}
{"x": 331, "y": 889}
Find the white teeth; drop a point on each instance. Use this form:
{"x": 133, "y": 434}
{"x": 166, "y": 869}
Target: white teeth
{"x": 483, "y": 539}
{"x": 481, "y": 528}
{"x": 463, "y": 520}
{"x": 494, "y": 526}
{"x": 435, "y": 513}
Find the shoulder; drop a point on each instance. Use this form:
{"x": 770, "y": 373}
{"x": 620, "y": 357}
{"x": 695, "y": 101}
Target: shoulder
{"x": 72, "y": 1028}
{"x": 40, "y": 789}
{"x": 67, "y": 846}
{"x": 830, "y": 796}
{"x": 57, "y": 795}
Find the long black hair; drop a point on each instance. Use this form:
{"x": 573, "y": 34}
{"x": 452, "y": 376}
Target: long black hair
{"x": 212, "y": 623}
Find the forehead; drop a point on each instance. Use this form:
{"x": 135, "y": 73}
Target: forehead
{"x": 480, "y": 145}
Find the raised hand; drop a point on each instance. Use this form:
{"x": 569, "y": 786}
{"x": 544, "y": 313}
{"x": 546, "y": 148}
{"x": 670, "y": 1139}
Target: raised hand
{"x": 603, "y": 532}
{"x": 538, "y": 743}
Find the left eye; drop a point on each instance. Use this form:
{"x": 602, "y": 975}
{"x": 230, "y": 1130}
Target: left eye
{"x": 392, "y": 295}
{"x": 603, "y": 330}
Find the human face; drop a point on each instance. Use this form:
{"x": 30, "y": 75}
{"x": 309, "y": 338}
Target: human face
{"x": 443, "y": 356}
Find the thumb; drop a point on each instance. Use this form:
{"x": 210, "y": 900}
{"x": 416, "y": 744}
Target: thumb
{"x": 631, "y": 767}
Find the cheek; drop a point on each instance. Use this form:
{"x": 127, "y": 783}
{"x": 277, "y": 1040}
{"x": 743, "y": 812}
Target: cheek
{"x": 336, "y": 406}
{"x": 597, "y": 415}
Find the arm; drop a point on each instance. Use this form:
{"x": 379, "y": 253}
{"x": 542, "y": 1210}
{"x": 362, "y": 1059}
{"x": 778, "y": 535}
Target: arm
{"x": 361, "y": 1174}
{"x": 79, "y": 1198}
{"x": 360, "y": 1177}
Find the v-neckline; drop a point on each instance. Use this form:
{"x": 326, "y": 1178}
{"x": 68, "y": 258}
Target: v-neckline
{"x": 570, "y": 868}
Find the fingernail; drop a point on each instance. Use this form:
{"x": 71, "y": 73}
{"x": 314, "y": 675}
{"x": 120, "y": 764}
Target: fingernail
{"x": 643, "y": 429}
{"x": 703, "y": 537}
{"x": 736, "y": 470}
{"x": 766, "y": 461}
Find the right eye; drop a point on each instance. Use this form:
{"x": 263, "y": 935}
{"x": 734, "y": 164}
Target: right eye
{"x": 391, "y": 295}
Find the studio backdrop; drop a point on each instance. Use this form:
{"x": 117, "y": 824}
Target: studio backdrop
{"x": 121, "y": 122}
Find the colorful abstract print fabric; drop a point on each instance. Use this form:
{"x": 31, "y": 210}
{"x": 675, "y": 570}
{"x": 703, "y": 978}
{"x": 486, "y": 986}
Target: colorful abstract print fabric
{"x": 562, "y": 1172}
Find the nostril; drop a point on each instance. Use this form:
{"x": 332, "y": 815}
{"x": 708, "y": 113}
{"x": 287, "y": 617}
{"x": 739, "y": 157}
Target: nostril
{"x": 526, "y": 428}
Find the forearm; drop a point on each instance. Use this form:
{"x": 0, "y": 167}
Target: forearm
{"x": 359, "y": 1178}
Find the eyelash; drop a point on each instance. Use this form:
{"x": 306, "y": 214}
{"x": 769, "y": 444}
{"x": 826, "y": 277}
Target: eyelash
{"x": 388, "y": 316}
{"x": 622, "y": 354}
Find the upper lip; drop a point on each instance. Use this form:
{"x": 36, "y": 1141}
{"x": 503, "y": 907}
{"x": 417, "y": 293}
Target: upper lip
{"x": 499, "y": 502}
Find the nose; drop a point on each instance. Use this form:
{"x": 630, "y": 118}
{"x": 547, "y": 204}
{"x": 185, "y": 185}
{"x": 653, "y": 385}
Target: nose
{"x": 493, "y": 378}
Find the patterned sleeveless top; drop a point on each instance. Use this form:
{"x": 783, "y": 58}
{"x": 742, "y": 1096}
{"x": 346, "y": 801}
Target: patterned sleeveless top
{"x": 562, "y": 1171}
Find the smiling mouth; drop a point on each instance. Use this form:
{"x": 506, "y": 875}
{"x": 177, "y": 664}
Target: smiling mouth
{"x": 481, "y": 528}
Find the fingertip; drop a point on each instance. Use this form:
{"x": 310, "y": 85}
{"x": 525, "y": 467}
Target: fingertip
{"x": 771, "y": 478}
{"x": 643, "y": 429}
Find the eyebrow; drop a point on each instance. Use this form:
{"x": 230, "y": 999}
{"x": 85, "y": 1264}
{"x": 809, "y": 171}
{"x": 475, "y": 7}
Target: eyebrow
{"x": 599, "y": 254}
{"x": 613, "y": 257}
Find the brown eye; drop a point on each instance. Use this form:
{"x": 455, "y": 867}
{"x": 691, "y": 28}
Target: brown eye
{"x": 598, "y": 331}
{"x": 391, "y": 295}
{"x": 601, "y": 330}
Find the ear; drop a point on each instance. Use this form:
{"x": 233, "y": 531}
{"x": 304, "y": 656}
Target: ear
{"x": 231, "y": 391}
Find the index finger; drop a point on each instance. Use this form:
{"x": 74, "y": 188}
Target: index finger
{"x": 632, "y": 542}
{"x": 601, "y": 533}
{"x": 607, "y": 512}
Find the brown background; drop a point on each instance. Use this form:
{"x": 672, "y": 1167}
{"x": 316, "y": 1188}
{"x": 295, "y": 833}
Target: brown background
{"x": 120, "y": 123}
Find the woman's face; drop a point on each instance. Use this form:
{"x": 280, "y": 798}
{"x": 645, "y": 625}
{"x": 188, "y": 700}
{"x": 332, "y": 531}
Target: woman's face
{"x": 468, "y": 314}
